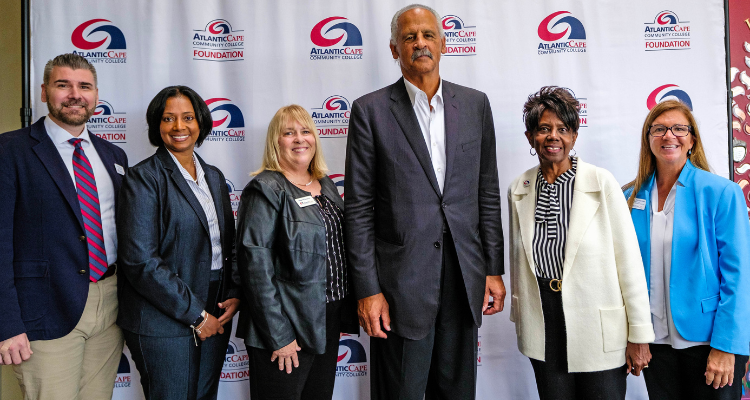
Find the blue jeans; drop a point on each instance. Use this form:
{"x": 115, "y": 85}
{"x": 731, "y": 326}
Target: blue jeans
{"x": 174, "y": 368}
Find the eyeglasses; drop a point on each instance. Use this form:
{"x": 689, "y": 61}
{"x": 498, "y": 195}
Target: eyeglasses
{"x": 677, "y": 130}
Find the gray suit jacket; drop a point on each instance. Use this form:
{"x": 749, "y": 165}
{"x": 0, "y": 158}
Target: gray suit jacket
{"x": 395, "y": 213}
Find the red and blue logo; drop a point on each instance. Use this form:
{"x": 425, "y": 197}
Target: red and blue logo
{"x": 460, "y": 40}
{"x": 561, "y": 32}
{"x": 667, "y": 32}
{"x": 234, "y": 197}
{"x": 236, "y": 364}
{"x": 229, "y": 124}
{"x": 332, "y": 119}
{"x": 668, "y": 92}
{"x": 336, "y": 39}
{"x": 352, "y": 362}
{"x": 100, "y": 40}
{"x": 107, "y": 123}
{"x": 583, "y": 109}
{"x": 338, "y": 180}
{"x": 123, "y": 378}
{"x": 218, "y": 41}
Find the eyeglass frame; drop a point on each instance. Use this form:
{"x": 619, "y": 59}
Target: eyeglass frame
{"x": 689, "y": 130}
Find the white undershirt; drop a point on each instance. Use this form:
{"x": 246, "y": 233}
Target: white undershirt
{"x": 104, "y": 187}
{"x": 431, "y": 117}
{"x": 662, "y": 226}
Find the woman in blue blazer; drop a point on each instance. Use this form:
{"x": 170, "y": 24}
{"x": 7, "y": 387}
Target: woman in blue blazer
{"x": 176, "y": 231}
{"x": 693, "y": 233}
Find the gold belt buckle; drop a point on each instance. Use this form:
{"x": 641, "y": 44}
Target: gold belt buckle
{"x": 555, "y": 282}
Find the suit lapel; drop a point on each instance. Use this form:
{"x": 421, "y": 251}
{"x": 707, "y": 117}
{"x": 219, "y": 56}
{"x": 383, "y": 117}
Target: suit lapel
{"x": 182, "y": 185}
{"x": 642, "y": 224}
{"x": 50, "y": 158}
{"x": 328, "y": 189}
{"x": 582, "y": 211}
{"x": 526, "y": 206}
{"x": 452, "y": 131}
{"x": 403, "y": 111}
{"x": 214, "y": 185}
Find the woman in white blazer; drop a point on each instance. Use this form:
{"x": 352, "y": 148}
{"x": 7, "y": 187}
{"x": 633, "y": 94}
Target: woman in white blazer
{"x": 579, "y": 297}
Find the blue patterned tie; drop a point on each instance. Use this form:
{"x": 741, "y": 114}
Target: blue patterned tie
{"x": 88, "y": 199}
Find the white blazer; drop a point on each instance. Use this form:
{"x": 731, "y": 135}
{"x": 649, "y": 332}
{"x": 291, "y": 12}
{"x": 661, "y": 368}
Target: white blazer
{"x": 604, "y": 293}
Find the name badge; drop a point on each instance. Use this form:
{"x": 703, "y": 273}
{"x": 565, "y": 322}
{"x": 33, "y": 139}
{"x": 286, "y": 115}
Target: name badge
{"x": 639, "y": 204}
{"x": 305, "y": 201}
{"x": 120, "y": 170}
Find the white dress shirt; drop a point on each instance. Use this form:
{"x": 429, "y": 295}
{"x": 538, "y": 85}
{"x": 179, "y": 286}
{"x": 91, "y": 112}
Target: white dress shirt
{"x": 662, "y": 223}
{"x": 199, "y": 186}
{"x": 104, "y": 188}
{"x": 431, "y": 117}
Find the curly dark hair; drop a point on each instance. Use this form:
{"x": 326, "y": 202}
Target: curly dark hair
{"x": 558, "y": 100}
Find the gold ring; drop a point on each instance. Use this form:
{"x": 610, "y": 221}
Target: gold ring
{"x": 558, "y": 283}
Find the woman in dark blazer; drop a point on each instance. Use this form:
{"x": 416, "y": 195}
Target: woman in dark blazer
{"x": 291, "y": 257}
{"x": 176, "y": 230}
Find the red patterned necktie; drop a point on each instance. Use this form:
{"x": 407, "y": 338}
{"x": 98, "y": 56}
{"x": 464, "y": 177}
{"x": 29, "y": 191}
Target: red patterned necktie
{"x": 88, "y": 199}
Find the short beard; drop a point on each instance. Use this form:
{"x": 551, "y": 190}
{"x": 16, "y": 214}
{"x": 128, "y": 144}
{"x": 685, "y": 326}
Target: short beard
{"x": 72, "y": 120}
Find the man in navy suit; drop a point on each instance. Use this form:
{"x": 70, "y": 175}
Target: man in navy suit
{"x": 58, "y": 247}
{"x": 424, "y": 237}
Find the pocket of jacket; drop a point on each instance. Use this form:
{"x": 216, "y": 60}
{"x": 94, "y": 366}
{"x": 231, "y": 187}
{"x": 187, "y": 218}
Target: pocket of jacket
{"x": 390, "y": 241}
{"x": 514, "y": 309}
{"x": 32, "y": 288}
{"x": 614, "y": 328}
{"x": 710, "y": 304}
{"x": 470, "y": 145}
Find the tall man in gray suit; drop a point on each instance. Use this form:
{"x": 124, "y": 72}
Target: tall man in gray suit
{"x": 424, "y": 237}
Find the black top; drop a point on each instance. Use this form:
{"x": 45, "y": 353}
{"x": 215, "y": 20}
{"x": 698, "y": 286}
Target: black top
{"x": 552, "y": 217}
{"x": 337, "y": 286}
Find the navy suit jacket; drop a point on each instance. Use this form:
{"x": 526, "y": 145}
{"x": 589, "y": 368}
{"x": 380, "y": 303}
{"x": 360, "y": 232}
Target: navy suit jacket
{"x": 44, "y": 272}
{"x": 164, "y": 250}
{"x": 395, "y": 212}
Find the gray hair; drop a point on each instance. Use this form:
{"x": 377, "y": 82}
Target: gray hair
{"x": 394, "y": 21}
{"x": 70, "y": 60}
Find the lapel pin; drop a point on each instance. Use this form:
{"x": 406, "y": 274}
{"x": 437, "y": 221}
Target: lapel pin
{"x": 526, "y": 183}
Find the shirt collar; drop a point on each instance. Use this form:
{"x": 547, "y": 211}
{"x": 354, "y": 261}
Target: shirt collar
{"x": 198, "y": 169}
{"x": 60, "y": 135}
{"x": 413, "y": 91}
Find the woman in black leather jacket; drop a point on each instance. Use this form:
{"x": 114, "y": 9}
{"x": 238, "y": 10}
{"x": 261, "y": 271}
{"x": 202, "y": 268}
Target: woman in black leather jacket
{"x": 292, "y": 263}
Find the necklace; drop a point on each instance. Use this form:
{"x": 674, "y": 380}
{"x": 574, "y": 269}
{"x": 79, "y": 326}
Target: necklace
{"x": 304, "y": 184}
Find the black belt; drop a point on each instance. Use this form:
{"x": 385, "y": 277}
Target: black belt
{"x": 111, "y": 270}
{"x": 550, "y": 285}
{"x": 216, "y": 275}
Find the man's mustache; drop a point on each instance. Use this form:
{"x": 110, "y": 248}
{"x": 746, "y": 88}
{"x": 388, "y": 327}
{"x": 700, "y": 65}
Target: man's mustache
{"x": 421, "y": 52}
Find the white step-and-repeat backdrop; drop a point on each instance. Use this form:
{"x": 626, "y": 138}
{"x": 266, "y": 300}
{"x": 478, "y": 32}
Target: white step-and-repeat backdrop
{"x": 248, "y": 58}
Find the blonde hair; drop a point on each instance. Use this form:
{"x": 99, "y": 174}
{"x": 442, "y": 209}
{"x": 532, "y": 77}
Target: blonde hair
{"x": 647, "y": 160}
{"x": 294, "y": 112}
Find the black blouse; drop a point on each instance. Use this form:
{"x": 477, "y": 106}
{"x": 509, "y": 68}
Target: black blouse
{"x": 337, "y": 284}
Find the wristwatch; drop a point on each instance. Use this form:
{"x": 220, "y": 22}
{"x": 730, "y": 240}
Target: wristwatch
{"x": 199, "y": 320}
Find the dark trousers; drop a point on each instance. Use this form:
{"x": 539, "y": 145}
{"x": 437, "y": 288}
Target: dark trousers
{"x": 443, "y": 365}
{"x": 553, "y": 381}
{"x": 678, "y": 374}
{"x": 174, "y": 368}
{"x": 312, "y": 380}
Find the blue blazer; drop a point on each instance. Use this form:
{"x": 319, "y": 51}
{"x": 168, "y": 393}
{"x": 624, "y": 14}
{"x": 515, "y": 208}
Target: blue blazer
{"x": 709, "y": 288}
{"x": 164, "y": 250}
{"x": 44, "y": 275}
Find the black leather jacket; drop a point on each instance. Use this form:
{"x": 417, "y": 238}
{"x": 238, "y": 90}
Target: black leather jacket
{"x": 281, "y": 256}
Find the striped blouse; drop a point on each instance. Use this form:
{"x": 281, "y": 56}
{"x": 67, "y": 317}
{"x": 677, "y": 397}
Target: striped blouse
{"x": 337, "y": 285}
{"x": 552, "y": 217}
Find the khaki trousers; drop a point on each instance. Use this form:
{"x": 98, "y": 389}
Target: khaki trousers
{"x": 82, "y": 364}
